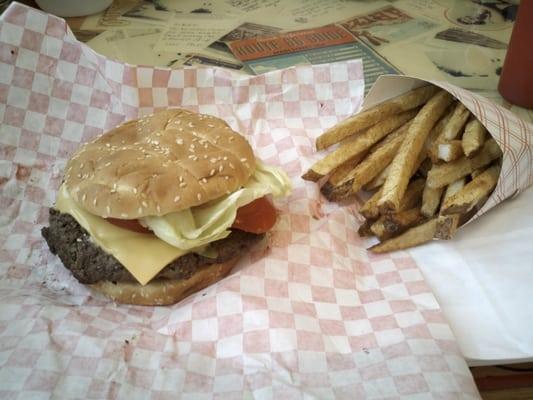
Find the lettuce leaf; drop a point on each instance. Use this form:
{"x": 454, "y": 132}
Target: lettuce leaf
{"x": 198, "y": 226}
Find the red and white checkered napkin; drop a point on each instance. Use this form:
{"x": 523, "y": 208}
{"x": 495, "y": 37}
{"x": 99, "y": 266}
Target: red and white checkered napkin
{"x": 314, "y": 317}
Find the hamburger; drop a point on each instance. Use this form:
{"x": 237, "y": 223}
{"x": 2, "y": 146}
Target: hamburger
{"x": 161, "y": 207}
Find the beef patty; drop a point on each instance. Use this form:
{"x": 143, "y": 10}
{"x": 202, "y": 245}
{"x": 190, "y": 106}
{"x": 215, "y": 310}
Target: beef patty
{"x": 90, "y": 264}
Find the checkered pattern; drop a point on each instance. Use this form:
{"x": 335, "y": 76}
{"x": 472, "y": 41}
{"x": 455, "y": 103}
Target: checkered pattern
{"x": 312, "y": 316}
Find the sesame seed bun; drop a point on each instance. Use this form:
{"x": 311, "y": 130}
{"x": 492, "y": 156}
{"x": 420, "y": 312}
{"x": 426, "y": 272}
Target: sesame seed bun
{"x": 160, "y": 292}
{"x": 166, "y": 162}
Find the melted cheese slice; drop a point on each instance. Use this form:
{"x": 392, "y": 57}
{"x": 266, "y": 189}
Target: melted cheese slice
{"x": 143, "y": 255}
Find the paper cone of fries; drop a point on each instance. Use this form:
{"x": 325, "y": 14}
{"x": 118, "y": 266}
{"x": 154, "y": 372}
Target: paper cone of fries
{"x": 434, "y": 157}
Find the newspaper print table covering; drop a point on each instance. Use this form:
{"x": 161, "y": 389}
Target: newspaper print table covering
{"x": 315, "y": 316}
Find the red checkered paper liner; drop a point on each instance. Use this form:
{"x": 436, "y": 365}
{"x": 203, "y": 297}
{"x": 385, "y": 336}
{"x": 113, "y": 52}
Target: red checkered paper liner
{"x": 513, "y": 135}
{"x": 313, "y": 316}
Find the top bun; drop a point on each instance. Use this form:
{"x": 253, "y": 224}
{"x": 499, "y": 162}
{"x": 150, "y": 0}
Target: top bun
{"x": 162, "y": 163}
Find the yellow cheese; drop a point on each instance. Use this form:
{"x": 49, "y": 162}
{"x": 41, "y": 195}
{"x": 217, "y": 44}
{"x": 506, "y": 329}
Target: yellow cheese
{"x": 143, "y": 255}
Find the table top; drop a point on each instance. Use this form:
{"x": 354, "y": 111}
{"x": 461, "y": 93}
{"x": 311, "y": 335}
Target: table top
{"x": 316, "y": 315}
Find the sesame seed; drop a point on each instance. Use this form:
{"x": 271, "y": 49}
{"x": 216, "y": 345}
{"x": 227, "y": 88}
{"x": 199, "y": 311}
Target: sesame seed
{"x": 144, "y": 204}
{"x": 94, "y": 202}
{"x": 211, "y": 125}
{"x": 231, "y": 139}
{"x": 213, "y": 160}
{"x": 156, "y": 142}
{"x": 176, "y": 199}
{"x": 183, "y": 184}
{"x": 107, "y": 164}
{"x": 191, "y": 125}
{"x": 220, "y": 168}
{"x": 203, "y": 180}
{"x": 231, "y": 166}
{"x": 79, "y": 176}
{"x": 124, "y": 215}
{"x": 158, "y": 208}
{"x": 82, "y": 165}
{"x": 107, "y": 145}
{"x": 135, "y": 190}
{"x": 199, "y": 196}
{"x": 139, "y": 210}
{"x": 212, "y": 172}
{"x": 244, "y": 160}
{"x": 226, "y": 177}
{"x": 225, "y": 158}
{"x": 180, "y": 178}
{"x": 84, "y": 197}
{"x": 108, "y": 210}
{"x": 179, "y": 141}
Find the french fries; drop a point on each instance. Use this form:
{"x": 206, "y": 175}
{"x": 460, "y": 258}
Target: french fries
{"x": 404, "y": 162}
{"x": 358, "y": 145}
{"x": 469, "y": 195}
{"x": 370, "y": 117}
{"x": 473, "y": 137}
{"x": 380, "y": 156}
{"x": 444, "y": 174}
{"x": 430, "y": 163}
{"x": 449, "y": 151}
{"x": 430, "y": 201}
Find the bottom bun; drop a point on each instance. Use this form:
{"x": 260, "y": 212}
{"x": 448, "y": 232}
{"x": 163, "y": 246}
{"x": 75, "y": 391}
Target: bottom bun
{"x": 161, "y": 292}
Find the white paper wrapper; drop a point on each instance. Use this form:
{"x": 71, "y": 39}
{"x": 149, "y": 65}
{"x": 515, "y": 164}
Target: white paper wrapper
{"x": 315, "y": 316}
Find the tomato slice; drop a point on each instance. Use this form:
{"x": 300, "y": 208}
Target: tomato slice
{"x": 130, "y": 224}
{"x": 256, "y": 217}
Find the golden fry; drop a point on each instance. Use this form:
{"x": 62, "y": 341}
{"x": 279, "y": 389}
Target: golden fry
{"x": 473, "y": 137}
{"x": 450, "y": 151}
{"x": 390, "y": 225}
{"x": 444, "y": 174}
{"x": 380, "y": 156}
{"x": 374, "y": 115}
{"x": 412, "y": 237}
{"x": 430, "y": 201}
{"x": 370, "y": 209}
{"x": 413, "y": 194}
{"x": 447, "y": 226}
{"x": 357, "y": 146}
{"x": 455, "y": 124}
{"x": 379, "y": 180}
{"x": 466, "y": 198}
{"x": 405, "y": 160}
{"x": 340, "y": 173}
{"x": 453, "y": 188}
